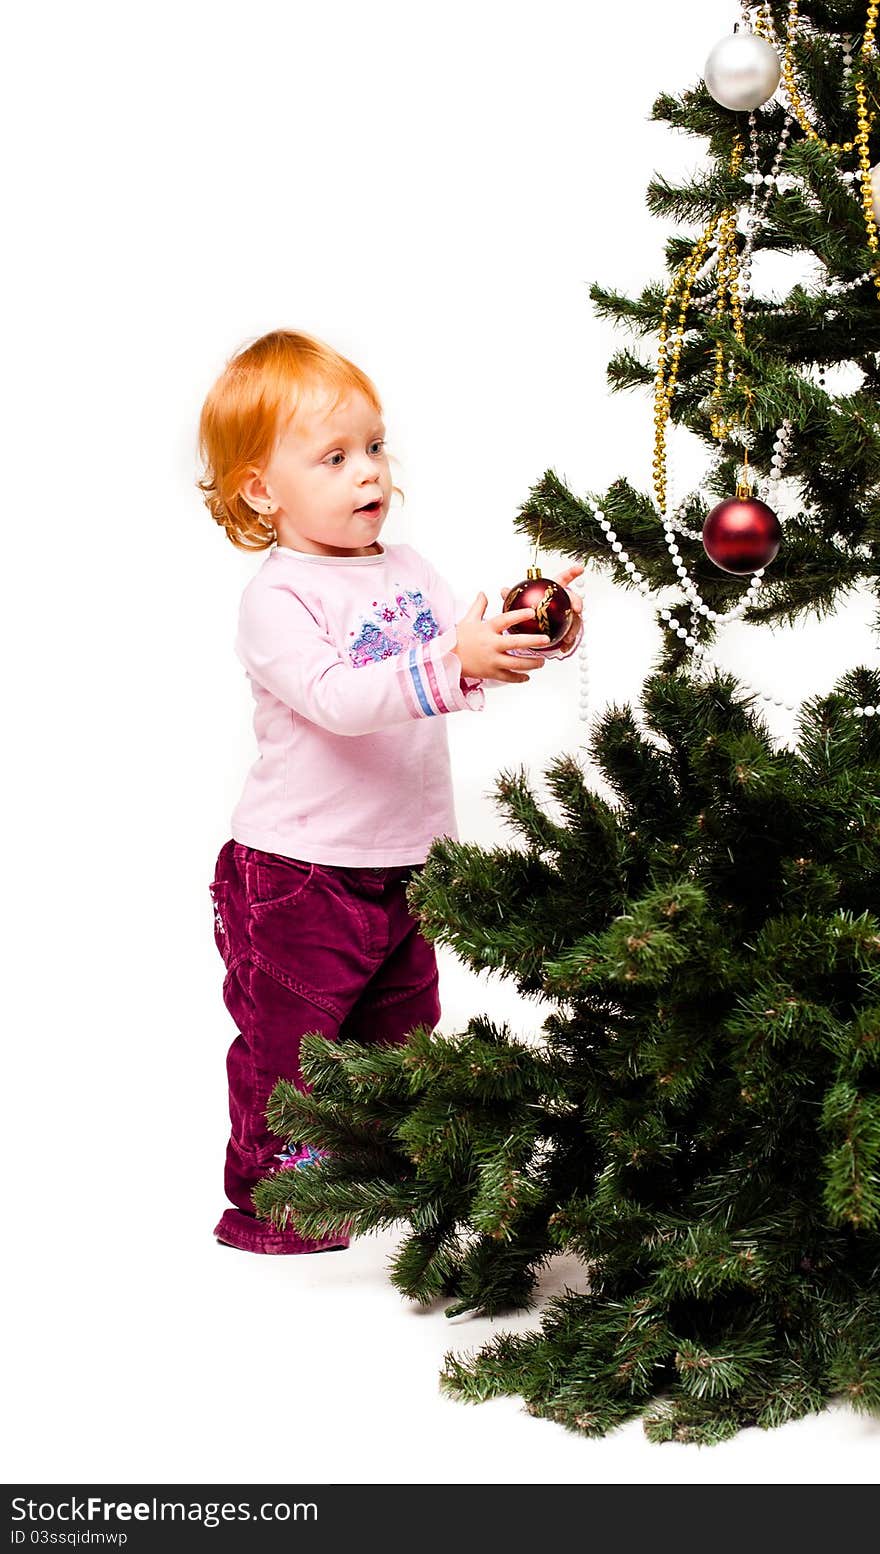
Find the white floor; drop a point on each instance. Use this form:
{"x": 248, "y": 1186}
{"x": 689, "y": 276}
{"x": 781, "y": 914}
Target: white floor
{"x": 142, "y": 1350}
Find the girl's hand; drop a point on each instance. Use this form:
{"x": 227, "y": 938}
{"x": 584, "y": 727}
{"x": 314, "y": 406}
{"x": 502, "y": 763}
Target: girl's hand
{"x": 577, "y": 604}
{"x": 482, "y": 649}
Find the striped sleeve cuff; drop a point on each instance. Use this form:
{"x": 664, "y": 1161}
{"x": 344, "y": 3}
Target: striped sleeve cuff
{"x": 430, "y": 679}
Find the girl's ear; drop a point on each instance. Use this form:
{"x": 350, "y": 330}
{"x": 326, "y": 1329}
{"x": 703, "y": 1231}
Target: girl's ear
{"x": 255, "y": 491}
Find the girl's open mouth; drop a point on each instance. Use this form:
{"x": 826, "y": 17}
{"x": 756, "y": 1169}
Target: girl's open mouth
{"x": 371, "y": 508}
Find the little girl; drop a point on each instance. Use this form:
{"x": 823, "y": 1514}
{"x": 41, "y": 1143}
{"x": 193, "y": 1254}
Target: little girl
{"x": 355, "y": 650}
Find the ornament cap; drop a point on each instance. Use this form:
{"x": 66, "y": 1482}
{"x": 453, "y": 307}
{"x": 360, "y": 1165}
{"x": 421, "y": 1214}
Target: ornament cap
{"x": 533, "y": 572}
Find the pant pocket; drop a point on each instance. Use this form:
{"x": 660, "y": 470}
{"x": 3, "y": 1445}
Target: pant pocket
{"x": 272, "y": 880}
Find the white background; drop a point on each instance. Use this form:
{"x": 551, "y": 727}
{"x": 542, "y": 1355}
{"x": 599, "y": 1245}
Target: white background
{"x": 430, "y": 189}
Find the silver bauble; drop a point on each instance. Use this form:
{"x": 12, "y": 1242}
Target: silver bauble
{"x": 742, "y": 71}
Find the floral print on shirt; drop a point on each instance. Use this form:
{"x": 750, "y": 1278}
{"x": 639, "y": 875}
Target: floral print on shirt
{"x": 392, "y": 627}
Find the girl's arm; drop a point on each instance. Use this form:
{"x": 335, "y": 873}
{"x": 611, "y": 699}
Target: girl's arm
{"x": 286, "y": 649}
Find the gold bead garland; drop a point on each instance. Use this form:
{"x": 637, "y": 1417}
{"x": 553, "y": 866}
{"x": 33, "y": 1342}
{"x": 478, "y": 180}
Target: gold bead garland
{"x": 865, "y": 120}
{"x": 727, "y": 273}
{"x": 728, "y": 281}
{"x": 664, "y": 386}
{"x": 791, "y": 85}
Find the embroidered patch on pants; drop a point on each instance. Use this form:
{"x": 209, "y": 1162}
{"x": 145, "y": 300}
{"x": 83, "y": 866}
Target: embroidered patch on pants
{"x": 295, "y": 1155}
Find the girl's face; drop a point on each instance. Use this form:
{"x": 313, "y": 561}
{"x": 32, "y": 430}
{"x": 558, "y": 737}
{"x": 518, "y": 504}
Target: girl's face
{"x": 324, "y": 468}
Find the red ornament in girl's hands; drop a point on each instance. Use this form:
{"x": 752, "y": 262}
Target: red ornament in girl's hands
{"x": 551, "y": 604}
{"x": 741, "y": 535}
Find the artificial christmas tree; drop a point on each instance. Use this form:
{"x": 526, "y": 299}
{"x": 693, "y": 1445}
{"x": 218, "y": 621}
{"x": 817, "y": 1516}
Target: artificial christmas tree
{"x": 699, "y": 1119}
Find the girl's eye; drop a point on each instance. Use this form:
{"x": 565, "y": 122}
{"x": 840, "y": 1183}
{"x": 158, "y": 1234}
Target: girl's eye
{"x": 379, "y": 442}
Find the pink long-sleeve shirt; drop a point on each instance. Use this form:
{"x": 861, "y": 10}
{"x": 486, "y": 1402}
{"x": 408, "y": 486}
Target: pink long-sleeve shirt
{"x": 353, "y": 671}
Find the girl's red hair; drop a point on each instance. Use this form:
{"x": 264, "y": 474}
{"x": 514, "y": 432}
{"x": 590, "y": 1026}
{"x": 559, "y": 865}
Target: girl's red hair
{"x": 256, "y": 396}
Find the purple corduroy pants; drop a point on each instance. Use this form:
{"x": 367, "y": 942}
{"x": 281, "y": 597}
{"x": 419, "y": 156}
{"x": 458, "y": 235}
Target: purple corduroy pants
{"x": 305, "y": 947}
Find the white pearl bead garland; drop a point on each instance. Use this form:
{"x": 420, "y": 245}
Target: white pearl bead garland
{"x": 671, "y": 527}
{"x": 781, "y": 450}
{"x": 834, "y": 289}
{"x": 755, "y": 218}
{"x": 780, "y": 454}
{"x": 666, "y": 615}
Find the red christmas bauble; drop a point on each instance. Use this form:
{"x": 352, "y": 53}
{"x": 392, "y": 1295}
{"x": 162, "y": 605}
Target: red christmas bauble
{"x": 552, "y": 607}
{"x": 741, "y": 535}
